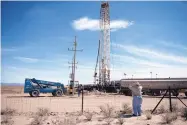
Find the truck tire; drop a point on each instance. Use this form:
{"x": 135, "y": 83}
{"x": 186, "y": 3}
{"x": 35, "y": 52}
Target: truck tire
{"x": 58, "y": 92}
{"x": 34, "y": 93}
{"x": 53, "y": 93}
{"x": 186, "y": 94}
{"x": 155, "y": 93}
{"x": 175, "y": 93}
{"x": 30, "y": 93}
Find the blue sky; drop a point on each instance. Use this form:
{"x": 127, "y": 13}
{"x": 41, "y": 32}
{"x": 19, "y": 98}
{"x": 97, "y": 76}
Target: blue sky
{"x": 146, "y": 37}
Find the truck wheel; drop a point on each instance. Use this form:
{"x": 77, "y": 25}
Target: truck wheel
{"x": 157, "y": 93}
{"x": 58, "y": 93}
{"x": 185, "y": 93}
{"x": 30, "y": 93}
{"x": 35, "y": 93}
{"x": 53, "y": 93}
{"x": 175, "y": 93}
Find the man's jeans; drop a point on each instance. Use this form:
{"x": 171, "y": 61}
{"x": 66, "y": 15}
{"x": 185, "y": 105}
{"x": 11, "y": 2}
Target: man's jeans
{"x": 137, "y": 103}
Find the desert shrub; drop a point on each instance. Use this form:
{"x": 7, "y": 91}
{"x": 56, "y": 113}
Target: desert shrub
{"x": 8, "y": 111}
{"x": 169, "y": 117}
{"x": 6, "y": 120}
{"x": 42, "y": 112}
{"x": 57, "y": 121}
{"x": 148, "y": 115}
{"x": 161, "y": 110}
{"x": 68, "y": 121}
{"x": 108, "y": 121}
{"x": 184, "y": 113}
{"x": 88, "y": 115}
{"x": 121, "y": 121}
{"x": 107, "y": 110}
{"x": 118, "y": 114}
{"x": 40, "y": 117}
{"x": 7, "y": 116}
{"x": 175, "y": 107}
{"x": 126, "y": 109}
{"x": 38, "y": 120}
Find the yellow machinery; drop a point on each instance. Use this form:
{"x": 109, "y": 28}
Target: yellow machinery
{"x": 72, "y": 88}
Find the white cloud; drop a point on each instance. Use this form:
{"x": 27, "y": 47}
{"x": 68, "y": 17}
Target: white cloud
{"x": 27, "y": 60}
{"x": 120, "y": 24}
{"x": 144, "y": 52}
{"x": 141, "y": 68}
{"x": 131, "y": 65}
{"x": 174, "y": 45}
{"x": 18, "y": 74}
{"x": 145, "y": 72}
{"x": 57, "y": 59}
{"x": 86, "y": 23}
{"x": 60, "y": 74}
{"x": 8, "y": 49}
{"x": 138, "y": 61}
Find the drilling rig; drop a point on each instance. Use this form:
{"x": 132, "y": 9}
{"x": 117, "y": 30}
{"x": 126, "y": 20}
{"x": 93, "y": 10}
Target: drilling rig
{"x": 104, "y": 47}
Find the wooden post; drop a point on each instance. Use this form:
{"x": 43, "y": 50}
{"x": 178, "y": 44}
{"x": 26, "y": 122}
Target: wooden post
{"x": 170, "y": 105}
{"x": 82, "y": 99}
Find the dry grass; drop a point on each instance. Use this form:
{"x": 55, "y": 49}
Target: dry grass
{"x": 8, "y": 111}
{"x": 6, "y": 117}
{"x": 126, "y": 109}
{"x": 42, "y": 112}
{"x": 38, "y": 120}
{"x": 6, "y": 120}
{"x": 40, "y": 117}
{"x": 148, "y": 115}
{"x": 184, "y": 113}
{"x": 175, "y": 107}
{"x": 161, "y": 110}
{"x": 121, "y": 121}
{"x": 88, "y": 115}
{"x": 11, "y": 89}
{"x": 58, "y": 121}
{"x": 68, "y": 121}
{"x": 169, "y": 117}
{"x": 107, "y": 110}
{"x": 108, "y": 121}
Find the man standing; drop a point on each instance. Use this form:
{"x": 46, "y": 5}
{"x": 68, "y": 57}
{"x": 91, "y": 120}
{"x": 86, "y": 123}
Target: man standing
{"x": 136, "y": 89}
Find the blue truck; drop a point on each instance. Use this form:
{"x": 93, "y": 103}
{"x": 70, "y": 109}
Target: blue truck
{"x": 34, "y": 87}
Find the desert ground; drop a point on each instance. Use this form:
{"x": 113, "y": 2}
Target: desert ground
{"x": 99, "y": 109}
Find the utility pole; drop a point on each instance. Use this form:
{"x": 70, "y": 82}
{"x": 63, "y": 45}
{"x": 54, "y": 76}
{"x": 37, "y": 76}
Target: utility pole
{"x": 72, "y": 67}
{"x": 74, "y": 62}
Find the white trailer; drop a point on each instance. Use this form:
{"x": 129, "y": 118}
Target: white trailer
{"x": 156, "y": 85}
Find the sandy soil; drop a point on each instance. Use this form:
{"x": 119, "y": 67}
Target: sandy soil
{"x": 70, "y": 107}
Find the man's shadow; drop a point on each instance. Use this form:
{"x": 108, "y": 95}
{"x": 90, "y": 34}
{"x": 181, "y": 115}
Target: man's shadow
{"x": 126, "y": 115}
